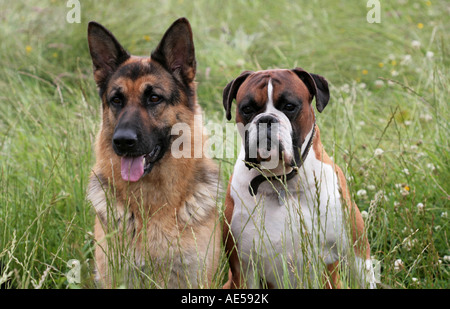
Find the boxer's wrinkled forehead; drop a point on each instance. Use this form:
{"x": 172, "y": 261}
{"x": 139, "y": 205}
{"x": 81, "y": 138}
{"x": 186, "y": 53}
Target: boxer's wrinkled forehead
{"x": 254, "y": 89}
{"x": 286, "y": 86}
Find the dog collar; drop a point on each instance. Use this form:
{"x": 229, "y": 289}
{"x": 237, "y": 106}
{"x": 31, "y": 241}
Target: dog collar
{"x": 258, "y": 180}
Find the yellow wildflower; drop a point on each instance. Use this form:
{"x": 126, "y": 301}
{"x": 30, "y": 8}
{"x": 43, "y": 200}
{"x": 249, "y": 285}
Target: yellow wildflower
{"x": 420, "y": 25}
{"x": 365, "y": 72}
{"x": 28, "y": 49}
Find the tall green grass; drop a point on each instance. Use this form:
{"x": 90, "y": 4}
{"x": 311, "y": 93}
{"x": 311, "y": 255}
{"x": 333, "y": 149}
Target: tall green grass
{"x": 389, "y": 92}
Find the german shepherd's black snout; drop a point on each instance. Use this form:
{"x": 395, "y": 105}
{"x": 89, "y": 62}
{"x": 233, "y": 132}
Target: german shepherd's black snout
{"x": 125, "y": 140}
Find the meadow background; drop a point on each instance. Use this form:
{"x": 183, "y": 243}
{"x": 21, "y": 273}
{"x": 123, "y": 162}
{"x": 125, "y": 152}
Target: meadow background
{"x": 387, "y": 123}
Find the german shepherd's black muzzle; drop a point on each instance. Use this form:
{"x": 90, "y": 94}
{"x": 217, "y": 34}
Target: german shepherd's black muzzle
{"x": 128, "y": 139}
{"x": 139, "y": 150}
{"x": 125, "y": 141}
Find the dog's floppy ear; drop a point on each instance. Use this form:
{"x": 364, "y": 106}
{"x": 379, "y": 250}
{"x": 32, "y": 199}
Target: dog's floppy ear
{"x": 176, "y": 51}
{"x": 230, "y": 91}
{"x": 106, "y": 53}
{"x": 317, "y": 86}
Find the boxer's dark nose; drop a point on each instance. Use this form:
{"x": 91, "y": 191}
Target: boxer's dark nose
{"x": 264, "y": 125}
{"x": 268, "y": 119}
{"x": 265, "y": 122}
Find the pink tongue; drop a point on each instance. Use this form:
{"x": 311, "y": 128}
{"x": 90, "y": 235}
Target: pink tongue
{"x": 132, "y": 168}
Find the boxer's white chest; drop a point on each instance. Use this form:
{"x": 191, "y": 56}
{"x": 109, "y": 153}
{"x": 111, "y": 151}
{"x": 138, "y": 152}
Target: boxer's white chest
{"x": 290, "y": 241}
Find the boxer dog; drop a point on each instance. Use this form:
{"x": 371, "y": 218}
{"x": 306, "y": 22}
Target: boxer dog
{"x": 290, "y": 221}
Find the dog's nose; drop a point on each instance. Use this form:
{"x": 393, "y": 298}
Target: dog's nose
{"x": 264, "y": 129}
{"x": 125, "y": 140}
{"x": 268, "y": 119}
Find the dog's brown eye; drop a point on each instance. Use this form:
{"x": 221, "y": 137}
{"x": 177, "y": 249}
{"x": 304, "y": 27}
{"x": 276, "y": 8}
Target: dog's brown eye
{"x": 247, "y": 110}
{"x": 154, "y": 99}
{"x": 289, "y": 107}
{"x": 116, "y": 101}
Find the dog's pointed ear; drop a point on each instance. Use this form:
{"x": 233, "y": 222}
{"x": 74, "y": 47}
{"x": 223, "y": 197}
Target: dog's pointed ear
{"x": 317, "y": 86}
{"x": 106, "y": 52}
{"x": 230, "y": 91}
{"x": 176, "y": 51}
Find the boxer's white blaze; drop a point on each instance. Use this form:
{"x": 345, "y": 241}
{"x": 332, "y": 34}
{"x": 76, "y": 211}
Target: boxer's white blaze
{"x": 284, "y": 135}
{"x": 270, "y": 108}
{"x": 274, "y": 138}
{"x": 269, "y": 94}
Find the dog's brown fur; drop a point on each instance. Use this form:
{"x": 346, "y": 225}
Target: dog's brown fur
{"x": 166, "y": 221}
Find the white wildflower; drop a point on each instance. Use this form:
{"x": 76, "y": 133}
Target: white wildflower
{"x": 415, "y": 44}
{"x": 429, "y": 54}
{"x": 444, "y": 215}
{"x": 420, "y": 155}
{"x": 420, "y": 206}
{"x": 345, "y": 88}
{"x": 364, "y": 214}
{"x": 398, "y": 264}
{"x": 361, "y": 193}
{"x": 431, "y": 166}
{"x": 406, "y": 60}
{"x": 378, "y": 152}
{"x": 371, "y": 187}
{"x": 426, "y": 117}
{"x": 379, "y": 83}
{"x": 405, "y": 230}
{"x": 409, "y": 243}
{"x": 240, "y": 62}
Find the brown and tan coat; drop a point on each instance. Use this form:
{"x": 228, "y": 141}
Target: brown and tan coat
{"x": 157, "y": 215}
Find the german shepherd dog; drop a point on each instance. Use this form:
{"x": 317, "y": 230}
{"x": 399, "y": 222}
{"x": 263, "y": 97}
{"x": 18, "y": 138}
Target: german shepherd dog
{"x": 156, "y": 215}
